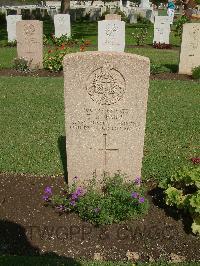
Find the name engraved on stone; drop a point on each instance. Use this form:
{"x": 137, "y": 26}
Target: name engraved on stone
{"x": 106, "y": 85}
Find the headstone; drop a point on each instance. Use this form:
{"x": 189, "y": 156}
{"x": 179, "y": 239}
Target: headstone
{"x": 111, "y": 35}
{"x": 62, "y": 25}
{"x": 132, "y": 18}
{"x": 105, "y": 113}
{"x": 112, "y": 17}
{"x": 30, "y": 42}
{"x": 161, "y": 29}
{"x": 190, "y": 48}
{"x": 145, "y": 4}
{"x": 95, "y": 14}
{"x": 11, "y": 26}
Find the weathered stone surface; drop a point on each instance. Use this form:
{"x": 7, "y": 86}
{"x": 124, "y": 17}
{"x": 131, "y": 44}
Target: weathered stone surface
{"x": 62, "y": 25}
{"x": 11, "y": 26}
{"x": 161, "y": 29}
{"x": 105, "y": 113}
{"x": 112, "y": 17}
{"x": 190, "y": 48}
{"x": 30, "y": 42}
{"x": 111, "y": 35}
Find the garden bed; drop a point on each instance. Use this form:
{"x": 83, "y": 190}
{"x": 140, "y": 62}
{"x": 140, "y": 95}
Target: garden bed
{"x": 46, "y": 73}
{"x": 29, "y": 228}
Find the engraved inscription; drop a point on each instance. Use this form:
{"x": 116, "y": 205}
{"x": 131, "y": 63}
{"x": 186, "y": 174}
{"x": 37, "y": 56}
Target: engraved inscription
{"x": 111, "y": 34}
{"x": 29, "y": 29}
{"x": 106, "y": 85}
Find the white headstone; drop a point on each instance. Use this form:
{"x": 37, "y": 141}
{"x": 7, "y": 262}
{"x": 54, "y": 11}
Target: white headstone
{"x": 111, "y": 35}
{"x": 161, "y": 29}
{"x": 62, "y": 25}
{"x": 145, "y": 4}
{"x": 190, "y": 48}
{"x": 11, "y": 26}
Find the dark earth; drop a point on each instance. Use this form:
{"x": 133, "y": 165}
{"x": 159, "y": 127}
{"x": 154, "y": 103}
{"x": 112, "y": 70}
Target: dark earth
{"x": 28, "y": 227}
{"x": 46, "y": 73}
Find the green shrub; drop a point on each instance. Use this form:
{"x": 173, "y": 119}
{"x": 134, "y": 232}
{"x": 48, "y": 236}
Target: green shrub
{"x": 116, "y": 201}
{"x": 182, "y": 190}
{"x": 179, "y": 25}
{"x": 196, "y": 72}
{"x": 140, "y": 35}
{"x": 156, "y": 69}
{"x": 21, "y": 64}
{"x": 64, "y": 40}
{"x": 54, "y": 58}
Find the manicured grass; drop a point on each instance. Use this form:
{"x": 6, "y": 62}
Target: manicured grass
{"x": 32, "y": 126}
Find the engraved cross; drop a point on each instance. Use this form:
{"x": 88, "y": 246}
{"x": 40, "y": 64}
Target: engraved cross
{"x": 105, "y": 149}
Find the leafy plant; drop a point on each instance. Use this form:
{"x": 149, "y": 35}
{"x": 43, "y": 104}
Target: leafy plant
{"x": 140, "y": 35}
{"x": 64, "y": 40}
{"x": 21, "y": 64}
{"x": 53, "y": 59}
{"x": 157, "y": 68}
{"x": 182, "y": 190}
{"x": 196, "y": 72}
{"x": 179, "y": 25}
{"x": 116, "y": 201}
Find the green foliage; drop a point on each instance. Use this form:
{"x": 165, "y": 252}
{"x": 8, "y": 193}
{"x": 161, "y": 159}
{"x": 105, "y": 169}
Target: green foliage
{"x": 116, "y": 201}
{"x": 143, "y": 20}
{"x": 140, "y": 35}
{"x": 179, "y": 25}
{"x": 54, "y": 58}
{"x": 64, "y": 40}
{"x": 158, "y": 68}
{"x": 196, "y": 72}
{"x": 182, "y": 190}
{"x": 21, "y": 64}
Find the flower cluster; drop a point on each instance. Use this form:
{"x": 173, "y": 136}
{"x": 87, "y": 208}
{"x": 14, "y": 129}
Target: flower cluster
{"x": 195, "y": 160}
{"x": 47, "y": 194}
{"x": 161, "y": 45}
{"x": 79, "y": 192}
{"x": 116, "y": 200}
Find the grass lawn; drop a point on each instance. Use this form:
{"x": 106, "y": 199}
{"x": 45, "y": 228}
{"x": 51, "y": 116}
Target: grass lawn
{"x": 52, "y": 261}
{"x": 32, "y": 126}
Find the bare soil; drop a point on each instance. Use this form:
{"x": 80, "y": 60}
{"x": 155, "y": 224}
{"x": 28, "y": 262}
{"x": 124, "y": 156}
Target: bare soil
{"x": 28, "y": 227}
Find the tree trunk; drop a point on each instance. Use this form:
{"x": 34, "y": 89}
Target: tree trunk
{"x": 65, "y": 6}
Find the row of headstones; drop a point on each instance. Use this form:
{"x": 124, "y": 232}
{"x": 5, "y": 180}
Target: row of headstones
{"x": 111, "y": 37}
{"x": 63, "y": 26}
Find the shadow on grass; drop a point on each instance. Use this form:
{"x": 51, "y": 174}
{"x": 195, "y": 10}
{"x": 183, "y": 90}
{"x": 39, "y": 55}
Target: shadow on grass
{"x": 16, "y": 249}
{"x": 158, "y": 199}
{"x": 173, "y": 67}
{"x": 63, "y": 155}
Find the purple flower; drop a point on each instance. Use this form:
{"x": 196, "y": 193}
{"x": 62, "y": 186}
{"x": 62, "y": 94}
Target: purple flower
{"x": 96, "y": 210}
{"x": 48, "y": 190}
{"x": 137, "y": 181}
{"x": 141, "y": 200}
{"x": 73, "y": 203}
{"x": 80, "y": 191}
{"x": 134, "y": 195}
{"x": 74, "y": 196}
{"x": 45, "y": 197}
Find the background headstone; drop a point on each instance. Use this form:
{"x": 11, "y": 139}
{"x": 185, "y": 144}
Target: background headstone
{"x": 105, "y": 113}
{"x": 161, "y": 29}
{"x": 30, "y": 42}
{"x": 62, "y": 25}
{"x": 111, "y": 35}
{"x": 112, "y": 17}
{"x": 11, "y": 26}
{"x": 190, "y": 48}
